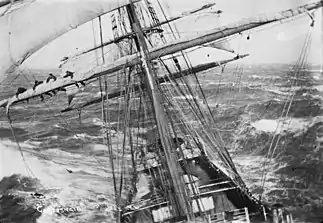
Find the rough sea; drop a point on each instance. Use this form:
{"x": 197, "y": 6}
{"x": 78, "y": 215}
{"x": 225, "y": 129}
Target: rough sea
{"x": 248, "y": 112}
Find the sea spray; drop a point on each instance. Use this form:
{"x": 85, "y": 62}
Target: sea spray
{"x": 76, "y": 207}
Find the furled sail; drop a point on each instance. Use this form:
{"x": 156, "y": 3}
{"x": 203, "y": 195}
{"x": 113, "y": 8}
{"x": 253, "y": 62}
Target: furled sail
{"x": 155, "y": 31}
{"x": 4, "y": 2}
{"x": 160, "y": 80}
{"x": 26, "y": 30}
{"x": 178, "y": 45}
{"x": 145, "y": 29}
{"x": 208, "y": 19}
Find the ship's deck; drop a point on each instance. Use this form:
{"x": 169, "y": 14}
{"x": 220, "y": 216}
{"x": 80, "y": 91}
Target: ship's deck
{"x": 151, "y": 159}
{"x": 213, "y": 194}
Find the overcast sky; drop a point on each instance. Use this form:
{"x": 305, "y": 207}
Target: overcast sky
{"x": 281, "y": 43}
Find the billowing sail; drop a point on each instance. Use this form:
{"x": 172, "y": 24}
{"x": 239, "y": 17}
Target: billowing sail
{"x": 7, "y": 6}
{"x": 26, "y": 30}
{"x": 222, "y": 46}
{"x": 86, "y": 59}
{"x": 205, "y": 21}
{"x": 4, "y": 3}
{"x": 116, "y": 40}
{"x": 173, "y": 47}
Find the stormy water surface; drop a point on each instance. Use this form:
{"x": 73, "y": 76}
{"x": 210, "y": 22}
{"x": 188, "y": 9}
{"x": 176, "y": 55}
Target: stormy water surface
{"x": 247, "y": 114}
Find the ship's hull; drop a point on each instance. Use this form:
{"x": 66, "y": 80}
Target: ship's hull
{"x": 214, "y": 196}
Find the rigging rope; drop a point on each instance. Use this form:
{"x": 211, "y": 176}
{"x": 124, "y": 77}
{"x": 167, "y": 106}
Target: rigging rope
{"x": 29, "y": 171}
{"x": 272, "y": 148}
{"x": 28, "y": 168}
{"x": 217, "y": 139}
{"x": 219, "y": 83}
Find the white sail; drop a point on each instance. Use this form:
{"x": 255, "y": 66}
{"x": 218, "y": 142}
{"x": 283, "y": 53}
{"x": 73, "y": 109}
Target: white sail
{"x": 26, "y": 30}
{"x": 84, "y": 60}
{"x": 204, "y": 21}
{"x": 162, "y": 22}
{"x": 221, "y": 46}
{"x": 173, "y": 47}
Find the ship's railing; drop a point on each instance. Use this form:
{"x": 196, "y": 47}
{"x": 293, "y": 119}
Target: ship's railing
{"x": 280, "y": 216}
{"x": 234, "y": 215}
{"x": 214, "y": 186}
{"x": 154, "y": 201}
{"x": 209, "y": 192}
{"x": 202, "y": 190}
{"x": 133, "y": 206}
{"x": 217, "y": 180}
{"x": 159, "y": 201}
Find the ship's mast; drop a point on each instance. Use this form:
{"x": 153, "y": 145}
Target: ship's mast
{"x": 180, "y": 201}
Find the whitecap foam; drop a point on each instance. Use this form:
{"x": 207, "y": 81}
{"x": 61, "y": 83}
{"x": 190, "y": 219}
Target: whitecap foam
{"x": 99, "y": 122}
{"x": 70, "y": 188}
{"x": 282, "y": 125}
{"x": 250, "y": 167}
{"x": 99, "y": 94}
{"x": 257, "y": 77}
{"x": 319, "y": 88}
{"x": 316, "y": 77}
{"x": 314, "y": 96}
{"x": 315, "y": 70}
{"x": 82, "y": 136}
{"x": 279, "y": 92}
{"x": 290, "y": 90}
{"x": 12, "y": 162}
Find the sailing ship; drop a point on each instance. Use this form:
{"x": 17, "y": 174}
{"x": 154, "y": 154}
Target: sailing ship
{"x": 170, "y": 163}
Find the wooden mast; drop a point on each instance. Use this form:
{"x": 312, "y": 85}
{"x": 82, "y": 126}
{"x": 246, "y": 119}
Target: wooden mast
{"x": 180, "y": 200}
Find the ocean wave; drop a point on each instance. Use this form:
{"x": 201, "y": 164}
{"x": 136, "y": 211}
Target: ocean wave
{"x": 82, "y": 185}
{"x": 314, "y": 96}
{"x": 270, "y": 77}
{"x": 279, "y": 92}
{"x": 317, "y": 76}
{"x": 83, "y": 136}
{"x": 250, "y": 167}
{"x": 22, "y": 124}
{"x": 28, "y": 165}
{"x": 315, "y": 70}
{"x": 99, "y": 122}
{"x": 75, "y": 165}
{"x": 293, "y": 173}
{"x": 318, "y": 88}
{"x": 256, "y": 86}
